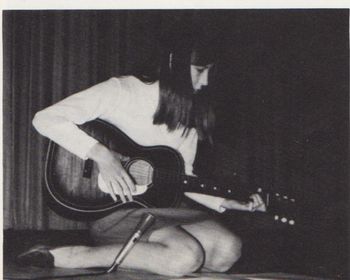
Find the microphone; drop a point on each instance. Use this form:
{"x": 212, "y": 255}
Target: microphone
{"x": 141, "y": 228}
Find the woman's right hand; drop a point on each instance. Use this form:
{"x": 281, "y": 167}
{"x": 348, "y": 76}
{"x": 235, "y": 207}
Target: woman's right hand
{"x": 113, "y": 173}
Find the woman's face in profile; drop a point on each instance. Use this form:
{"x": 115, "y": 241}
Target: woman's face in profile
{"x": 199, "y": 75}
{"x": 201, "y": 64}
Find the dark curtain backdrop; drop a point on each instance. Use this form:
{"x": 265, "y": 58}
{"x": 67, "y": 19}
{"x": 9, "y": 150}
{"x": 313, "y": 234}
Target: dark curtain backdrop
{"x": 282, "y": 97}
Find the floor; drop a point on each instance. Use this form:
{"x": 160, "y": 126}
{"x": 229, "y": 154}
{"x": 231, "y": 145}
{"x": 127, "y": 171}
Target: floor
{"x": 254, "y": 263}
{"x": 35, "y": 273}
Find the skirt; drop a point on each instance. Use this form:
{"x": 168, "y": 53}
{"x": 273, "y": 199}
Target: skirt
{"x": 118, "y": 226}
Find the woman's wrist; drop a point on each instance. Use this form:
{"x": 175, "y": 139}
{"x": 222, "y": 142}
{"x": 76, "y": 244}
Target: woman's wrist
{"x": 97, "y": 152}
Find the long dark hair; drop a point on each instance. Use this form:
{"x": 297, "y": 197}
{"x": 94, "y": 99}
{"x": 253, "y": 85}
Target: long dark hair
{"x": 179, "y": 107}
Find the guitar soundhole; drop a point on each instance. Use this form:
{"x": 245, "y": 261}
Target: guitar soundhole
{"x": 141, "y": 171}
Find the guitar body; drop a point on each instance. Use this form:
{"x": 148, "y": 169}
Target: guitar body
{"x": 73, "y": 182}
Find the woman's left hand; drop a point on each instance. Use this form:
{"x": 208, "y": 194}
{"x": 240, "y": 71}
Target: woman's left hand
{"x": 255, "y": 204}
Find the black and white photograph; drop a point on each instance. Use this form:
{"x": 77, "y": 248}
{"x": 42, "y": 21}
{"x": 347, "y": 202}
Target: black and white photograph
{"x": 175, "y": 143}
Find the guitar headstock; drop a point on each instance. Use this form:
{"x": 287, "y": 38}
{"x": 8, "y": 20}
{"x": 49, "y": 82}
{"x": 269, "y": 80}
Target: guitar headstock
{"x": 281, "y": 206}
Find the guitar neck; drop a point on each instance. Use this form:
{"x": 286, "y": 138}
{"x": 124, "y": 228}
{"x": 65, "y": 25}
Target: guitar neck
{"x": 206, "y": 186}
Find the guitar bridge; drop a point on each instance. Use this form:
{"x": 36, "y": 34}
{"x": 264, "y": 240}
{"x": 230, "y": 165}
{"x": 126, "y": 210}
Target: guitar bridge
{"x": 87, "y": 171}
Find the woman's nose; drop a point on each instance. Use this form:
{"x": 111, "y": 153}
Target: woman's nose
{"x": 204, "y": 78}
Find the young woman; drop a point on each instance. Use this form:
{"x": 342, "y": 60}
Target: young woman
{"x": 172, "y": 108}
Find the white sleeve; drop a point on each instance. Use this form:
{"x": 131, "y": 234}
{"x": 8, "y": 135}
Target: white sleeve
{"x": 212, "y": 202}
{"x": 188, "y": 151}
{"x": 59, "y": 121}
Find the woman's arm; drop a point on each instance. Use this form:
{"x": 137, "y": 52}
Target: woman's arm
{"x": 59, "y": 123}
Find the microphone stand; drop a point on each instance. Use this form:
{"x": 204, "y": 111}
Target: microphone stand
{"x": 144, "y": 224}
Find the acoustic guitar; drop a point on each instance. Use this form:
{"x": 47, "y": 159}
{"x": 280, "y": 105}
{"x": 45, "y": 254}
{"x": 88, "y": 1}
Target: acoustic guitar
{"x": 157, "y": 171}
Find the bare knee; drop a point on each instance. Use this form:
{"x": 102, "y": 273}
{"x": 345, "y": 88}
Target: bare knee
{"x": 227, "y": 253}
{"x": 185, "y": 260}
{"x": 182, "y": 254}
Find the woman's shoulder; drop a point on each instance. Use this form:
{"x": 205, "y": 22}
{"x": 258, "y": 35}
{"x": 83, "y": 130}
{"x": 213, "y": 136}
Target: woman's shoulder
{"x": 135, "y": 86}
{"x": 129, "y": 81}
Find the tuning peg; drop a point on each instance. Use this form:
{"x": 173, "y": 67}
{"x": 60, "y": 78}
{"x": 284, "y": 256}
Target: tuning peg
{"x": 284, "y": 220}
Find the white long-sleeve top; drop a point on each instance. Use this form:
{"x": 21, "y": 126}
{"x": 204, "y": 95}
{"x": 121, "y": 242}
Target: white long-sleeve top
{"x": 127, "y": 103}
